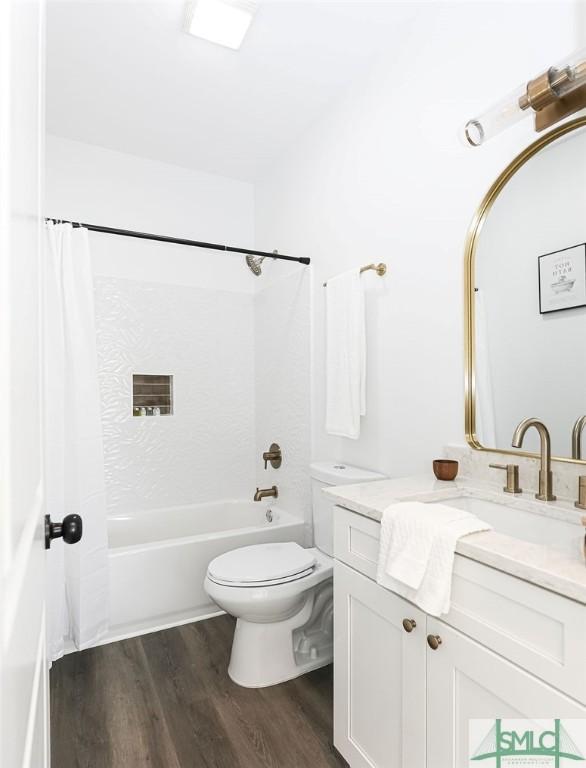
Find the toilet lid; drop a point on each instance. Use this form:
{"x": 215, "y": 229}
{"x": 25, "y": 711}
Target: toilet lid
{"x": 261, "y": 563}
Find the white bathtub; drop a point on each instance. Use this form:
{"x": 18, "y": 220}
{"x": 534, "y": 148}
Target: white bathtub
{"x": 158, "y": 559}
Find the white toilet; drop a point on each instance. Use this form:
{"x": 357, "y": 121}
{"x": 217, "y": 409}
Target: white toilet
{"x": 282, "y": 594}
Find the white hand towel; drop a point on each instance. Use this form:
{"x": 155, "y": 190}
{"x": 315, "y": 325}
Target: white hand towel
{"x": 345, "y": 355}
{"x": 416, "y": 554}
{"x": 411, "y": 528}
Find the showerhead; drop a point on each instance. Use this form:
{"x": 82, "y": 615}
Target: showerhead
{"x": 254, "y": 264}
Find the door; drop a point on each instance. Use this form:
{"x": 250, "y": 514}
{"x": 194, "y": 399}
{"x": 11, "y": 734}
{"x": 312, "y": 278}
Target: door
{"x": 465, "y": 681}
{"x": 379, "y": 675}
{"x": 23, "y": 668}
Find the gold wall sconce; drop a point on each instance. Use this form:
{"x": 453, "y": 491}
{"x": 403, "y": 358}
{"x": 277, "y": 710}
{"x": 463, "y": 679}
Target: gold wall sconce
{"x": 553, "y": 95}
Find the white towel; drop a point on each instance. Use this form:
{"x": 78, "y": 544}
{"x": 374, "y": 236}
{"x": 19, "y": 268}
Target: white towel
{"x": 416, "y": 554}
{"x": 345, "y": 355}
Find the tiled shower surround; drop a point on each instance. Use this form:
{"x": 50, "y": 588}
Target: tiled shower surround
{"x": 240, "y": 368}
{"x": 282, "y": 365}
{"x": 204, "y": 339}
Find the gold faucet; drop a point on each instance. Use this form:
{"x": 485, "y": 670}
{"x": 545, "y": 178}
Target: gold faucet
{"x": 262, "y": 493}
{"x": 577, "y": 437}
{"x": 545, "y": 475}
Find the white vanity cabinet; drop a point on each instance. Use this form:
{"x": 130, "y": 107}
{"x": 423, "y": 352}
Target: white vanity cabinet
{"x": 512, "y": 650}
{"x": 379, "y": 675}
{"x": 466, "y": 681}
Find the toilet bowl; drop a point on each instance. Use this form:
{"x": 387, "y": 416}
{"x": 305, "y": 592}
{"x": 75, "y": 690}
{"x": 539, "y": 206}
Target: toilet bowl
{"x": 284, "y": 618}
{"x": 281, "y": 594}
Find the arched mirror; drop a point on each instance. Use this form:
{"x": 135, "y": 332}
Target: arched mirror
{"x": 526, "y": 299}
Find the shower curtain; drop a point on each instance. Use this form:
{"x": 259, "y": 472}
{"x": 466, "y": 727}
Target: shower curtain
{"x": 77, "y": 574}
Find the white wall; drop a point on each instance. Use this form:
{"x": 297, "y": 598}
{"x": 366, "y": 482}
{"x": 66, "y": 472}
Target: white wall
{"x": 386, "y": 177}
{"x": 98, "y": 186}
{"x": 163, "y": 308}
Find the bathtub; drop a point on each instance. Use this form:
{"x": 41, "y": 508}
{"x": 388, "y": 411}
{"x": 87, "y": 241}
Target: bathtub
{"x": 158, "y": 559}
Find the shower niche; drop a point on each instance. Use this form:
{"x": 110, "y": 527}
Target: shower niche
{"x": 152, "y": 394}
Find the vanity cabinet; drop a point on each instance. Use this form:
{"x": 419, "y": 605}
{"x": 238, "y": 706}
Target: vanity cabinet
{"x": 379, "y": 675}
{"x": 465, "y": 681}
{"x": 508, "y": 649}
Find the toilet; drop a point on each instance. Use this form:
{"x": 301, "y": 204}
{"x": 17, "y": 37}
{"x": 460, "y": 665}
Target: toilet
{"x": 282, "y": 594}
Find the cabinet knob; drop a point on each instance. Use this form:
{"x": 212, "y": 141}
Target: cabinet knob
{"x": 434, "y": 642}
{"x": 409, "y": 625}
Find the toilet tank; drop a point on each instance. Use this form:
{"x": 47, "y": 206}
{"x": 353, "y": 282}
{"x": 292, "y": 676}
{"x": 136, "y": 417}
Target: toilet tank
{"x": 324, "y": 474}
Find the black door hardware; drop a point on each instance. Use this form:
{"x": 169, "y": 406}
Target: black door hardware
{"x": 70, "y": 529}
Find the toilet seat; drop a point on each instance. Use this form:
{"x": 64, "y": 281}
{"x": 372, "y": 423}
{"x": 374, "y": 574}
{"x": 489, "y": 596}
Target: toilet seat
{"x": 262, "y": 565}
{"x": 270, "y": 583}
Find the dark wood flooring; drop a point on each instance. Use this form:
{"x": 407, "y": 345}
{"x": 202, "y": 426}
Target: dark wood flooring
{"x": 165, "y": 700}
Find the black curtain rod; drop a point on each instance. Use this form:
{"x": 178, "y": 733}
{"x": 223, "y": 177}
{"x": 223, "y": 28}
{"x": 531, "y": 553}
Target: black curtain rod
{"x": 180, "y": 241}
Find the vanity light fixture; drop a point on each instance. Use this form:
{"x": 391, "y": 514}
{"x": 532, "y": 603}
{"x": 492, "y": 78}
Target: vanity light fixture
{"x": 224, "y": 22}
{"x": 553, "y": 95}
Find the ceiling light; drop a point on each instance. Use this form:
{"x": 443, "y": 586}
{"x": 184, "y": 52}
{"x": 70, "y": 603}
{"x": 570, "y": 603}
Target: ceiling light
{"x": 224, "y": 22}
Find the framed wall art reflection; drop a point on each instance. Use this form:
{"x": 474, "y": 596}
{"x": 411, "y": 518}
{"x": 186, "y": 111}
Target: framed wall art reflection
{"x": 562, "y": 279}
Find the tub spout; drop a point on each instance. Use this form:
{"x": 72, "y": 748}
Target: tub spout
{"x": 262, "y": 493}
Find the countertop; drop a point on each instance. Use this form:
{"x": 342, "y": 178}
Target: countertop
{"x": 535, "y": 563}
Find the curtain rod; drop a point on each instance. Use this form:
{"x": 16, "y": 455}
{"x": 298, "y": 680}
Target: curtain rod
{"x": 180, "y": 241}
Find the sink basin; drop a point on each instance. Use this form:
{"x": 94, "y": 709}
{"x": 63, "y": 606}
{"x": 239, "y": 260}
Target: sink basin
{"x": 563, "y": 536}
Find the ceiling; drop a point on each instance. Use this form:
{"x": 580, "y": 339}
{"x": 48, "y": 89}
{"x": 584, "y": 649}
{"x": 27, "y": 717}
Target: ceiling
{"x": 124, "y": 75}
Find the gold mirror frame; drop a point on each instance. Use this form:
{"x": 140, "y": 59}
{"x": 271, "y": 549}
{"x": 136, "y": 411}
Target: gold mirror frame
{"x": 469, "y": 284}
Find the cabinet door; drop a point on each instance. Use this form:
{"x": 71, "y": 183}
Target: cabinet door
{"x": 466, "y": 681}
{"x": 379, "y": 675}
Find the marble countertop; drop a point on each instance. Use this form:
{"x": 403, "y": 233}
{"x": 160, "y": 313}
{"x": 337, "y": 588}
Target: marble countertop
{"x": 535, "y": 563}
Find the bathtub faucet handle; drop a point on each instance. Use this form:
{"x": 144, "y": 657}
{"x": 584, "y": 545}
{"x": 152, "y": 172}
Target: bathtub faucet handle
{"x": 273, "y": 455}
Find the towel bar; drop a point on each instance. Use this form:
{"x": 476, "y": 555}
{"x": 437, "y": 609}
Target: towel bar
{"x": 380, "y": 269}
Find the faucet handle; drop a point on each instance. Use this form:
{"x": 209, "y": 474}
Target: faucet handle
{"x": 512, "y": 471}
{"x": 273, "y": 455}
{"x": 581, "y": 503}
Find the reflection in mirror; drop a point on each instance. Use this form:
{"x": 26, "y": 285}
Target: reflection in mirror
{"x": 530, "y": 302}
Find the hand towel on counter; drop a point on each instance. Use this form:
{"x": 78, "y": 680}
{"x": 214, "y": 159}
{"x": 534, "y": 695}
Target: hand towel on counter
{"x": 417, "y": 547}
{"x": 345, "y": 355}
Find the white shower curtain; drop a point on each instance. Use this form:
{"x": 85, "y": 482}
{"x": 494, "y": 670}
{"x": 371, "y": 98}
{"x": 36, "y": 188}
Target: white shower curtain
{"x": 77, "y": 583}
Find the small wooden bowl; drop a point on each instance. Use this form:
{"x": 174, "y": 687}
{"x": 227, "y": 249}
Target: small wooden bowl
{"x": 445, "y": 469}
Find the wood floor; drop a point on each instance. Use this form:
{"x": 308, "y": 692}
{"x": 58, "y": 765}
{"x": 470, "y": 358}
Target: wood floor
{"x": 164, "y": 700}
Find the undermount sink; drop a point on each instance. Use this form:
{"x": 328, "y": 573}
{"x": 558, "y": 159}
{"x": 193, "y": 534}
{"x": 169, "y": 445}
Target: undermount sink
{"x": 536, "y": 528}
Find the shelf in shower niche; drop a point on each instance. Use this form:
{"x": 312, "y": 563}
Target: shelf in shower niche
{"x": 152, "y": 394}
